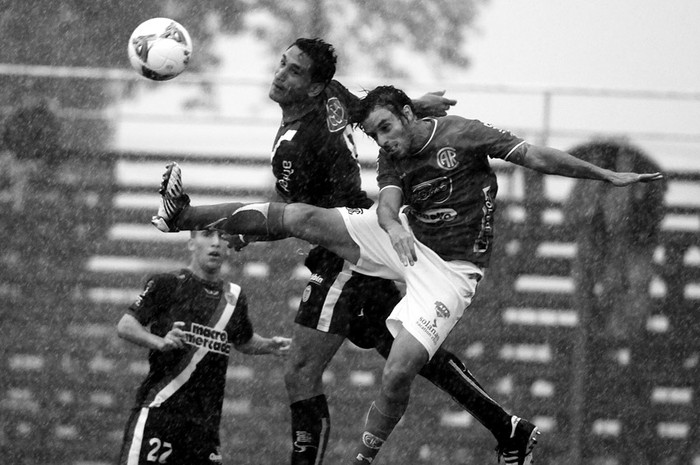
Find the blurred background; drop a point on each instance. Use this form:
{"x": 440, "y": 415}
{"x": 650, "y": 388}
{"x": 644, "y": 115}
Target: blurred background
{"x": 587, "y": 324}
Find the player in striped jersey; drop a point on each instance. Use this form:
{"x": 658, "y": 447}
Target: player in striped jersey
{"x": 190, "y": 319}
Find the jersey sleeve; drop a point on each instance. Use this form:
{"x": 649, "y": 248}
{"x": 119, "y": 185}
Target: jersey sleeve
{"x": 240, "y": 328}
{"x": 387, "y": 174}
{"x": 154, "y": 298}
{"x": 495, "y": 142}
{"x": 348, "y": 98}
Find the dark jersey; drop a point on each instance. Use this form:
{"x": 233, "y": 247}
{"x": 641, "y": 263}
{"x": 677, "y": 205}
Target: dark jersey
{"x": 450, "y": 188}
{"x": 314, "y": 159}
{"x": 190, "y": 381}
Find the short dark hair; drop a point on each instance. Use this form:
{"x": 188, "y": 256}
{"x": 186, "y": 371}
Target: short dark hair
{"x": 388, "y": 97}
{"x": 323, "y": 58}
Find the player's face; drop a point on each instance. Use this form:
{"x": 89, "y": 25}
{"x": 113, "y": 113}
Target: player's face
{"x": 389, "y": 131}
{"x": 292, "y": 81}
{"x": 209, "y": 250}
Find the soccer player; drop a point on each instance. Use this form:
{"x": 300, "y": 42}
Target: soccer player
{"x": 439, "y": 244}
{"x": 195, "y": 318}
{"x": 314, "y": 161}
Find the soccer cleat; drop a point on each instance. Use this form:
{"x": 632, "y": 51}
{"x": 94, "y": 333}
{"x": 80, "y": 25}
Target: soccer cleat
{"x": 517, "y": 448}
{"x": 172, "y": 199}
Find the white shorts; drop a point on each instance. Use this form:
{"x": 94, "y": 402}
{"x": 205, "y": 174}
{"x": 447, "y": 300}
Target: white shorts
{"x": 437, "y": 291}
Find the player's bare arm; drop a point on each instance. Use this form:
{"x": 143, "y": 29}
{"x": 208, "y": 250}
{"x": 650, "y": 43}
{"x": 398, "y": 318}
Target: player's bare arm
{"x": 433, "y": 104}
{"x": 390, "y": 201}
{"x": 549, "y": 160}
{"x": 259, "y": 345}
{"x": 130, "y": 329}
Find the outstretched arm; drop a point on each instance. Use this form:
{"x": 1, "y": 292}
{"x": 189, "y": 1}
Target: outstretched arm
{"x": 433, "y": 104}
{"x": 553, "y": 161}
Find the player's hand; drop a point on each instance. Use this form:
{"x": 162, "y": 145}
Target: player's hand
{"x": 625, "y": 179}
{"x": 235, "y": 241}
{"x": 435, "y": 103}
{"x": 175, "y": 338}
{"x": 280, "y": 346}
{"x": 403, "y": 244}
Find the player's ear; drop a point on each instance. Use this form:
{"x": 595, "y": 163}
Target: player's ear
{"x": 407, "y": 113}
{"x": 190, "y": 244}
{"x": 315, "y": 89}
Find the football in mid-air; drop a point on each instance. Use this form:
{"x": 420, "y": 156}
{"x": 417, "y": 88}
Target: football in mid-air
{"x": 160, "y": 49}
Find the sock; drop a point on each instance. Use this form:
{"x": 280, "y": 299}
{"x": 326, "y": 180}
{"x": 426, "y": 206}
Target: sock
{"x": 448, "y": 373}
{"x": 378, "y": 427}
{"x": 311, "y": 425}
{"x": 199, "y": 217}
{"x": 265, "y": 220}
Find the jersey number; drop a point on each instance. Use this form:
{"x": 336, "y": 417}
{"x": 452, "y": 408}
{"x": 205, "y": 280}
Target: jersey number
{"x": 160, "y": 451}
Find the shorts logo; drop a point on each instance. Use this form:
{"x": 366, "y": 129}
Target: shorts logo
{"x": 441, "y": 310}
{"x": 430, "y": 327}
{"x": 306, "y": 294}
{"x": 371, "y": 441}
{"x": 446, "y": 158}
{"x": 337, "y": 116}
{"x": 354, "y": 211}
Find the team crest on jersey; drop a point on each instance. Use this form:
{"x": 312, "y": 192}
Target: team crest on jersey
{"x": 446, "y": 158}
{"x": 436, "y": 190}
{"x": 354, "y": 211}
{"x": 337, "y": 116}
{"x": 306, "y": 294}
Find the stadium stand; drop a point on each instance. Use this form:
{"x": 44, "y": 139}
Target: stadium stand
{"x": 68, "y": 382}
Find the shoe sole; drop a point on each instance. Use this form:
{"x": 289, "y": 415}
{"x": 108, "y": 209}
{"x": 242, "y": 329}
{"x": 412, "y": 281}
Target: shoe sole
{"x": 531, "y": 443}
{"x": 165, "y": 186}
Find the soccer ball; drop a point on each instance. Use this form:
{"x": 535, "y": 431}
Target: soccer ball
{"x": 160, "y": 49}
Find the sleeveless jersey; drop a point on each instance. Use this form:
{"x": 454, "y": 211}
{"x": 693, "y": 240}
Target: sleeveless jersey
{"x": 449, "y": 187}
{"x": 314, "y": 159}
{"x": 190, "y": 381}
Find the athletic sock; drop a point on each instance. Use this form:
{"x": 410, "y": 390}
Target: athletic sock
{"x": 448, "y": 373}
{"x": 265, "y": 220}
{"x": 378, "y": 427}
{"x": 311, "y": 426}
{"x": 199, "y": 217}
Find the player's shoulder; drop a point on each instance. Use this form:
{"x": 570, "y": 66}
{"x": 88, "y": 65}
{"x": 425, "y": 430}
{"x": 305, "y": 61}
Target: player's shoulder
{"x": 338, "y": 102}
{"x": 336, "y": 89}
{"x": 234, "y": 293}
{"x": 458, "y": 122}
{"x": 168, "y": 279}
